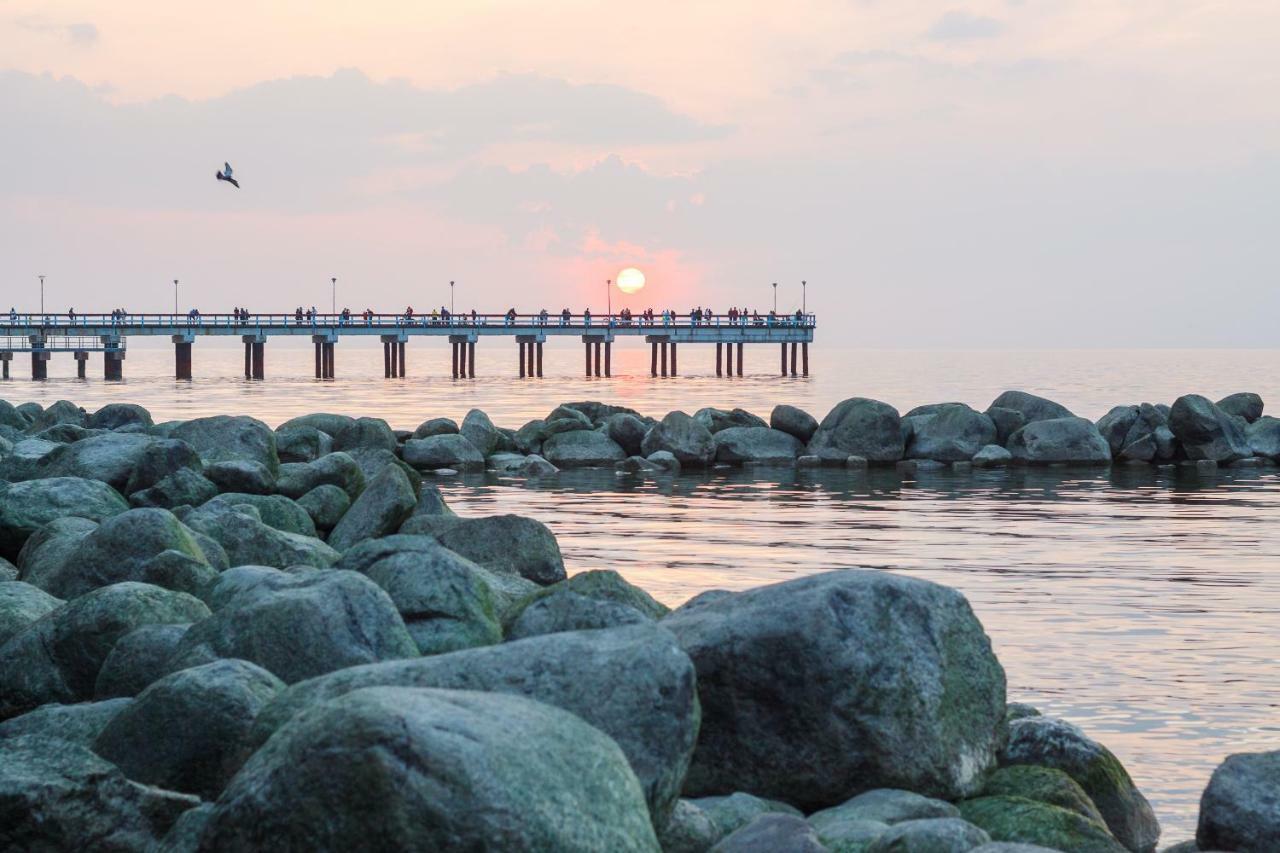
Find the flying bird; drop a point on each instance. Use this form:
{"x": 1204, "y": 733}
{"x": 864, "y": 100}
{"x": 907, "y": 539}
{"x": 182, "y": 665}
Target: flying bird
{"x": 225, "y": 175}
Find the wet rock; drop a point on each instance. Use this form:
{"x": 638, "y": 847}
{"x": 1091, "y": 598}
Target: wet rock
{"x": 772, "y": 833}
{"x": 1240, "y": 809}
{"x": 1245, "y": 405}
{"x": 731, "y": 812}
{"x": 1207, "y": 432}
{"x": 20, "y": 605}
{"x": 240, "y": 579}
{"x": 181, "y": 488}
{"x": 80, "y": 723}
{"x": 636, "y": 465}
{"x": 688, "y": 831}
{"x": 184, "y": 732}
{"x": 757, "y": 445}
{"x": 633, "y": 683}
{"x": 22, "y": 461}
{"x": 1007, "y": 421}
{"x": 719, "y": 419}
{"x": 57, "y": 657}
{"x": 1062, "y": 440}
{"x": 505, "y": 463}
{"x": 992, "y": 456}
{"x": 536, "y": 466}
{"x": 1050, "y": 742}
{"x": 480, "y": 432}
{"x": 336, "y": 469}
{"x": 364, "y": 434}
{"x": 302, "y": 443}
{"x": 223, "y": 438}
{"x": 320, "y": 622}
{"x": 67, "y": 433}
{"x": 570, "y": 414}
{"x": 582, "y": 449}
{"x": 162, "y": 458}
{"x": 859, "y": 427}
{"x": 953, "y": 433}
{"x": 385, "y": 503}
{"x": 325, "y": 505}
{"x": 934, "y": 835}
{"x": 11, "y": 417}
{"x": 1115, "y": 425}
{"x": 110, "y": 458}
{"x": 1042, "y": 784}
{"x": 627, "y": 431}
{"x": 117, "y": 415}
{"x": 137, "y": 659}
{"x": 785, "y": 675}
{"x": 454, "y": 769}
{"x": 8, "y": 572}
{"x": 1014, "y": 819}
{"x": 665, "y": 461}
{"x": 1264, "y": 437}
{"x": 793, "y": 421}
{"x": 882, "y": 805}
{"x": 436, "y": 426}
{"x": 507, "y": 544}
{"x": 443, "y": 451}
{"x": 1149, "y": 438}
{"x": 57, "y": 795}
{"x": 248, "y": 541}
{"x": 683, "y": 437}
{"x": 1030, "y": 407}
{"x": 241, "y": 476}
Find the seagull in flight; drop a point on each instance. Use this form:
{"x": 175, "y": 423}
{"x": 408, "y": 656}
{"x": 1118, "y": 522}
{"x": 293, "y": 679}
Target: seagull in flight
{"x": 225, "y": 175}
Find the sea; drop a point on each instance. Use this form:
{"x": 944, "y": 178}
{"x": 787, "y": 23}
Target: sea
{"x": 1142, "y": 604}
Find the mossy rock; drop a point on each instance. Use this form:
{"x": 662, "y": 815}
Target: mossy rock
{"x": 1025, "y": 821}
{"x": 602, "y": 585}
{"x": 1044, "y": 785}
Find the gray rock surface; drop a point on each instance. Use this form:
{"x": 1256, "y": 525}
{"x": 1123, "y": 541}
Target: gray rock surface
{"x": 26, "y": 507}
{"x": 818, "y": 688}
{"x": 565, "y": 610}
{"x": 436, "y": 426}
{"x": 480, "y": 432}
{"x": 1061, "y": 440}
{"x": 80, "y": 723}
{"x": 401, "y": 768}
{"x": 1207, "y": 432}
{"x": 627, "y": 430}
{"x": 793, "y": 421}
{"x": 1030, "y": 407}
{"x": 731, "y": 812}
{"x": 325, "y": 504}
{"x": 717, "y": 419}
{"x": 46, "y": 553}
{"x": 181, "y": 488}
{"x": 1264, "y": 437}
{"x": 242, "y": 476}
{"x": 184, "y": 732}
{"x": 665, "y": 461}
{"x": 930, "y": 835}
{"x": 858, "y": 427}
{"x": 953, "y": 433}
{"x": 443, "y": 451}
{"x": 137, "y": 659}
{"x": 336, "y": 469}
{"x": 22, "y": 461}
{"x": 302, "y": 443}
{"x": 275, "y": 511}
{"x": 536, "y": 466}
{"x": 249, "y": 542}
{"x": 772, "y": 833}
{"x": 385, "y": 503}
{"x": 1244, "y": 404}
{"x": 582, "y": 448}
{"x": 508, "y": 544}
{"x": 883, "y": 805}
{"x": 20, "y": 605}
{"x": 161, "y": 458}
{"x": 759, "y": 445}
{"x": 223, "y": 437}
{"x": 683, "y": 437}
{"x": 1115, "y": 426}
{"x": 688, "y": 831}
{"x": 992, "y": 456}
{"x": 1240, "y": 807}
{"x": 110, "y": 458}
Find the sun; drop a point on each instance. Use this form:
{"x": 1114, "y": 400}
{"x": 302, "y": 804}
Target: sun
{"x": 630, "y": 280}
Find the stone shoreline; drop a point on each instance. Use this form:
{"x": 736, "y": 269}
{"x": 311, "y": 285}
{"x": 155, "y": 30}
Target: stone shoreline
{"x": 219, "y": 636}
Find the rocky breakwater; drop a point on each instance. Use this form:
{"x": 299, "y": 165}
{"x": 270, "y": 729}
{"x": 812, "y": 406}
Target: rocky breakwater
{"x": 219, "y": 636}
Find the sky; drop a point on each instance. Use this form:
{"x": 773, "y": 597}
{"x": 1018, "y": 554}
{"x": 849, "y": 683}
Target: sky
{"x": 1004, "y": 174}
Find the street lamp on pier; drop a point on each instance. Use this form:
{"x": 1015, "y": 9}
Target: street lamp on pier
{"x": 175, "y": 298}
{"x": 804, "y": 309}
{"x": 41, "y": 296}
{"x": 608, "y": 290}
{"x": 450, "y": 299}
{"x": 333, "y": 295}
{"x": 775, "y": 297}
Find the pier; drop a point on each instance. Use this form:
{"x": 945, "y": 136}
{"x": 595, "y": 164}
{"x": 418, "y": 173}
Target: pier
{"x": 43, "y": 335}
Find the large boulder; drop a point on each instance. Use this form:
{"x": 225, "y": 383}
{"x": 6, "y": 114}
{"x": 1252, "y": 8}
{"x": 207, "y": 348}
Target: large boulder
{"x": 442, "y": 451}
{"x": 392, "y": 768}
{"x": 334, "y": 469}
{"x": 756, "y": 445}
{"x": 57, "y": 657}
{"x": 1245, "y": 405}
{"x": 633, "y": 683}
{"x": 20, "y": 605}
{"x": 1022, "y": 821}
{"x": 882, "y": 805}
{"x": 1115, "y": 426}
{"x": 274, "y": 510}
{"x": 61, "y": 412}
{"x": 586, "y": 601}
{"x": 325, "y": 505}
{"x": 772, "y": 833}
{"x": 386, "y": 501}
{"x": 248, "y": 541}
{"x": 80, "y": 722}
{"x": 1030, "y": 407}
{"x": 11, "y": 417}
{"x": 137, "y": 659}
{"x": 223, "y": 437}
{"x": 364, "y": 434}
{"x": 117, "y": 415}
{"x": 583, "y": 448}
{"x": 184, "y": 732}
{"x": 717, "y": 419}
{"x": 1049, "y": 742}
{"x": 319, "y": 622}
{"x": 1240, "y": 808}
{"x": 1043, "y": 784}
{"x": 859, "y": 427}
{"x": 1264, "y": 437}
{"x": 480, "y": 432}
{"x": 242, "y": 476}
{"x": 1061, "y": 440}
{"x": 816, "y": 689}
{"x": 793, "y": 421}
{"x": 686, "y": 439}
{"x": 508, "y": 544}
{"x": 627, "y": 431}
{"x": 1207, "y": 432}
{"x": 1148, "y": 438}
{"x": 159, "y": 459}
{"x": 110, "y": 458}
{"x": 436, "y": 426}
{"x": 26, "y": 507}
{"x": 46, "y": 553}
{"x": 953, "y": 433}
{"x": 302, "y": 443}
{"x": 57, "y": 795}
{"x": 934, "y": 835}
{"x": 181, "y": 488}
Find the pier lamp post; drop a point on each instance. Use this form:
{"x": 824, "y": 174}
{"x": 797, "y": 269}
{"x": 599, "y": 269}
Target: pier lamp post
{"x": 608, "y": 300}
{"x": 333, "y": 295}
{"x": 803, "y": 305}
{"x": 175, "y": 299}
{"x": 41, "y": 297}
{"x": 775, "y": 297}
{"x": 451, "y": 300}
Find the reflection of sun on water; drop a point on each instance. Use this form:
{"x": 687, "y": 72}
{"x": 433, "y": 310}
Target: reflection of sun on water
{"x": 630, "y": 280}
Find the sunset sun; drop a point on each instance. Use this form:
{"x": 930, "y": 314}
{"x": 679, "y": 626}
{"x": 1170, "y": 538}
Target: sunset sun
{"x": 630, "y": 280}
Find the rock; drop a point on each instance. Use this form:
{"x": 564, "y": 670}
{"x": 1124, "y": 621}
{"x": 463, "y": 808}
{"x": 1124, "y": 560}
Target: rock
{"x": 433, "y": 769}
{"x": 20, "y": 605}
{"x": 146, "y": 545}
{"x": 248, "y": 541}
{"x": 954, "y": 433}
{"x": 275, "y": 510}
{"x": 683, "y": 437}
{"x": 665, "y": 460}
{"x": 222, "y": 438}
{"x": 505, "y": 463}
{"x": 603, "y": 585}
{"x": 733, "y": 811}
{"x": 1012, "y": 847}
{"x": 137, "y": 659}
{"x": 10, "y": 416}
{"x": 633, "y": 683}
{"x": 46, "y": 553}
{"x": 480, "y": 432}
{"x": 930, "y": 835}
{"x": 80, "y": 723}
{"x": 1245, "y": 405}
{"x": 431, "y": 503}
{"x": 859, "y": 427}
{"x": 323, "y": 421}
{"x": 570, "y": 413}
{"x": 8, "y": 572}
{"x": 109, "y": 457}
{"x": 57, "y": 657}
{"x": 161, "y": 458}
{"x": 582, "y": 449}
{"x": 992, "y": 456}
{"x": 436, "y": 426}
{"x": 335, "y": 469}
{"x": 793, "y": 421}
{"x": 22, "y": 461}
{"x": 627, "y": 431}
{"x": 61, "y": 412}
{"x": 507, "y": 544}
{"x": 1014, "y": 819}
{"x": 1207, "y": 432}
{"x": 302, "y": 443}
{"x": 1184, "y": 847}
{"x": 1042, "y": 784}
{"x": 536, "y": 466}
{"x": 241, "y": 476}
{"x": 1031, "y": 407}
{"x": 1240, "y": 809}
{"x": 1149, "y": 438}
{"x": 717, "y": 419}
{"x": 882, "y": 805}
{"x": 759, "y": 445}
{"x": 320, "y": 622}
{"x": 636, "y": 465}
{"x": 57, "y": 795}
{"x": 443, "y": 451}
{"x": 184, "y": 835}
{"x": 571, "y": 611}
{"x": 183, "y": 732}
{"x": 772, "y": 833}
{"x": 381, "y": 508}
{"x": 181, "y": 488}
{"x": 240, "y": 579}
{"x": 1264, "y": 437}
{"x": 688, "y": 831}
{"x": 1050, "y": 742}
{"x": 795, "y": 670}
{"x": 325, "y": 504}
{"x": 1116, "y": 424}
{"x": 1007, "y": 422}
{"x": 67, "y": 433}
{"x": 364, "y": 434}
{"x": 117, "y": 415}
{"x": 1062, "y": 440}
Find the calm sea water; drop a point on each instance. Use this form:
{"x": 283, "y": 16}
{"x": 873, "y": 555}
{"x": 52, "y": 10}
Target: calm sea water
{"x": 1141, "y": 604}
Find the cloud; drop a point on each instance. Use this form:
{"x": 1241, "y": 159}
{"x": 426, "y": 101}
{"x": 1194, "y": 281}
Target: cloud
{"x": 81, "y": 34}
{"x": 958, "y": 25}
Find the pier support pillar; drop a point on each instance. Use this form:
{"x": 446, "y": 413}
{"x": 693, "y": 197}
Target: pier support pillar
{"x": 793, "y": 358}
{"x": 319, "y": 346}
{"x": 719, "y": 360}
{"x": 740, "y": 345}
{"x": 39, "y": 365}
{"x": 728, "y": 354}
{"x": 453, "y": 359}
{"x": 328, "y": 359}
{"x": 386, "y": 360}
{"x": 248, "y": 360}
{"x": 520, "y": 344}
{"x": 5, "y": 358}
{"x": 663, "y": 346}
{"x": 653, "y": 358}
{"x": 804, "y": 357}
{"x": 255, "y": 355}
{"x": 400, "y": 345}
{"x": 529, "y": 358}
{"x": 784, "y": 359}
{"x": 597, "y": 359}
{"x": 608, "y": 358}
{"x": 81, "y": 357}
{"x": 259, "y": 359}
{"x": 587, "y": 348}
{"x": 471, "y": 359}
{"x": 673, "y": 358}
{"x": 113, "y": 365}
{"x": 539, "y": 346}
{"x": 181, "y": 356}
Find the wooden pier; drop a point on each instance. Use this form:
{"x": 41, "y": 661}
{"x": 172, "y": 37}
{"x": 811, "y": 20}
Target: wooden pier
{"x": 81, "y": 334}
